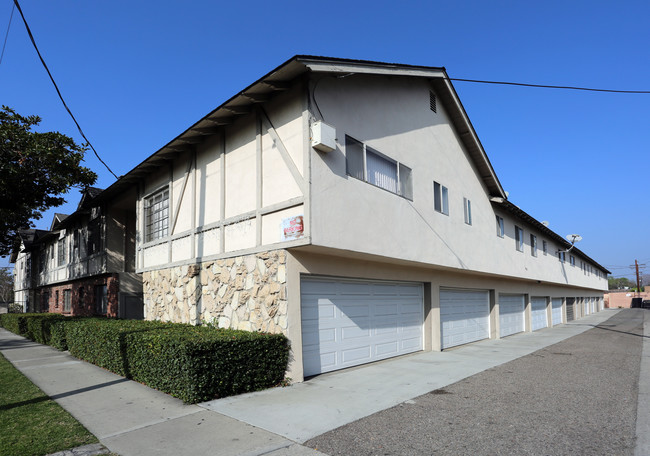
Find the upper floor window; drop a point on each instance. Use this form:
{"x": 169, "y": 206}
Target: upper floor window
{"x": 62, "y": 247}
{"x": 545, "y": 247}
{"x": 369, "y": 165}
{"x": 156, "y": 215}
{"x": 94, "y": 236}
{"x": 519, "y": 238}
{"x": 440, "y": 198}
{"x": 467, "y": 209}
{"x": 572, "y": 260}
{"x": 533, "y": 245}
{"x": 561, "y": 256}
{"x": 500, "y": 227}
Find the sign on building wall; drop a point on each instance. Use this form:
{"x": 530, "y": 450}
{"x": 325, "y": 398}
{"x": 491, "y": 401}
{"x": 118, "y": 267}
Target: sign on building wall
{"x": 292, "y": 228}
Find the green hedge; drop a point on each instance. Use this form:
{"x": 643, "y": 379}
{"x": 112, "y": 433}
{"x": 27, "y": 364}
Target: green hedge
{"x": 193, "y": 363}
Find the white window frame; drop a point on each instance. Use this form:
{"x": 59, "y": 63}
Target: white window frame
{"x": 67, "y": 300}
{"x": 519, "y": 238}
{"x": 62, "y": 252}
{"x": 467, "y": 211}
{"x": 403, "y": 174}
{"x": 153, "y": 218}
{"x": 533, "y": 245}
{"x": 501, "y": 230}
{"x": 440, "y": 198}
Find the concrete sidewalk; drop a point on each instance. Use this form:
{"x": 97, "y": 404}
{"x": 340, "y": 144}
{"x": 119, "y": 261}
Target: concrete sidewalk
{"x": 132, "y": 419}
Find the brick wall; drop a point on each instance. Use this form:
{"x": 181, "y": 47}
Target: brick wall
{"x": 82, "y": 294}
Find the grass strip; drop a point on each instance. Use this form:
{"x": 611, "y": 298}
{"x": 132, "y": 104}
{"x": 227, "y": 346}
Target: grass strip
{"x": 32, "y": 424}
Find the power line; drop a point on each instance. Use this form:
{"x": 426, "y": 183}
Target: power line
{"x": 544, "y": 86}
{"x": 7, "y": 34}
{"x": 31, "y": 37}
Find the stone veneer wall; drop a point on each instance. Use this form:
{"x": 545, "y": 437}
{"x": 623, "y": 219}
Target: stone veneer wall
{"x": 245, "y": 292}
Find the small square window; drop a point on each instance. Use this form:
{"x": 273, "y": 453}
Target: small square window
{"x": 500, "y": 227}
{"x": 440, "y": 198}
{"x": 519, "y": 238}
{"x": 533, "y": 245}
{"x": 467, "y": 209}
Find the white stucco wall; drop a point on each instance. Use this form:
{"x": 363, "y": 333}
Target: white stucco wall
{"x": 392, "y": 115}
{"x": 239, "y": 186}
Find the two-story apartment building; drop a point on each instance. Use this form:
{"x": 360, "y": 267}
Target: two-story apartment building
{"x": 349, "y": 205}
{"x": 82, "y": 265}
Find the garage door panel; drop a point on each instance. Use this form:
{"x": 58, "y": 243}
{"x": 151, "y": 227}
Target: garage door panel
{"x": 556, "y": 311}
{"x": 370, "y": 321}
{"x": 511, "y": 314}
{"x": 539, "y": 318}
{"x": 464, "y": 316}
{"x": 353, "y": 332}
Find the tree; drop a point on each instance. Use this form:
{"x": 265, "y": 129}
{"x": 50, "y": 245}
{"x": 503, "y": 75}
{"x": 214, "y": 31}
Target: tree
{"x": 6, "y": 285}
{"x": 620, "y": 283}
{"x": 35, "y": 170}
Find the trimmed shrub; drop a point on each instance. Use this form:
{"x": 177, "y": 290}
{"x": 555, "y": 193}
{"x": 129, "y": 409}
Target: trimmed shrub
{"x": 199, "y": 363}
{"x": 14, "y": 322}
{"x": 192, "y": 363}
{"x": 39, "y": 326}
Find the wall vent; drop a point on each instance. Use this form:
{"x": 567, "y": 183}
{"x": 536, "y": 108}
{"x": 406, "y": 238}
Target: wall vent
{"x": 432, "y": 101}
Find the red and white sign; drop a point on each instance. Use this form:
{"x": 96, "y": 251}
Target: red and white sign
{"x": 292, "y": 228}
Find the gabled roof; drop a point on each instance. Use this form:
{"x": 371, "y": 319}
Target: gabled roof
{"x": 87, "y": 195}
{"x": 58, "y": 218}
{"x": 282, "y": 77}
{"x": 28, "y": 237}
{"x": 520, "y": 214}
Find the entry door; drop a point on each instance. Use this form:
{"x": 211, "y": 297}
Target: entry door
{"x": 464, "y": 316}
{"x": 511, "y": 314}
{"x": 538, "y": 314}
{"x": 556, "y": 311}
{"x": 346, "y": 323}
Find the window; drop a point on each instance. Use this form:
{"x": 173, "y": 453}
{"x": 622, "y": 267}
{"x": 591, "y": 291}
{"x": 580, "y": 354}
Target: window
{"x": 56, "y": 299}
{"x": 369, "y": 165}
{"x": 67, "y": 300}
{"x": 94, "y": 236}
{"x": 545, "y": 247}
{"x": 101, "y": 300}
{"x": 500, "y": 227}
{"x": 440, "y": 198}
{"x": 561, "y": 256}
{"x": 467, "y": 209}
{"x": 533, "y": 245}
{"x": 63, "y": 252}
{"x": 519, "y": 238}
{"x": 572, "y": 260}
{"x": 156, "y": 210}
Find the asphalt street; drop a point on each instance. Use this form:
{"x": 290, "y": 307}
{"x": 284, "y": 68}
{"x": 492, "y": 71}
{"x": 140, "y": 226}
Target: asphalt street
{"x": 577, "y": 397}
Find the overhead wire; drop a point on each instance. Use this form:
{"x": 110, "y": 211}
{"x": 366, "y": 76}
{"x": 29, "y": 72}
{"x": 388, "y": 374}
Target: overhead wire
{"x": 4, "y": 45}
{"x": 545, "y": 86}
{"x": 31, "y": 37}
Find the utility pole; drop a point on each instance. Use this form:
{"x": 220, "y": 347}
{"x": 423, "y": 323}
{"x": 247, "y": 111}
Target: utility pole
{"x": 638, "y": 285}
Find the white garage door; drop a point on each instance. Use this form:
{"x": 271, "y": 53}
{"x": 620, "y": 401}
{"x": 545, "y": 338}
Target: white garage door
{"x": 464, "y": 316}
{"x": 346, "y": 323}
{"x": 511, "y": 314}
{"x": 585, "y": 306}
{"x": 556, "y": 311}
{"x": 593, "y": 305}
{"x": 538, "y": 314}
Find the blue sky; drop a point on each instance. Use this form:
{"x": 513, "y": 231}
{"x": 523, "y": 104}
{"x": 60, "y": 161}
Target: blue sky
{"x": 136, "y": 74}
